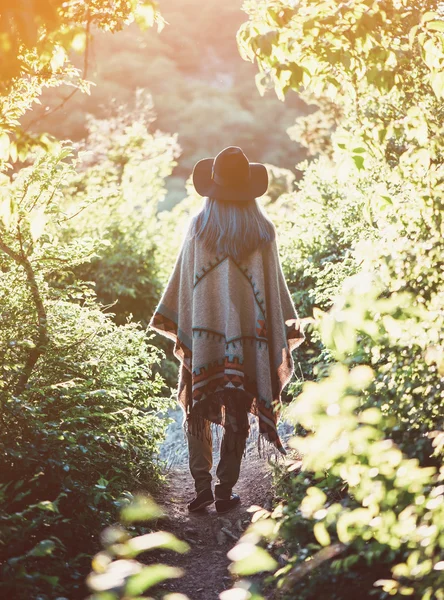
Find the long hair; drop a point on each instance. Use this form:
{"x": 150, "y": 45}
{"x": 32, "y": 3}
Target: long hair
{"x": 233, "y": 228}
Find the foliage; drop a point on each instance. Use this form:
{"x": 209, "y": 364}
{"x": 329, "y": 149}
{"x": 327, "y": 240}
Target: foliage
{"x": 80, "y": 403}
{"x": 116, "y": 574}
{"x": 317, "y": 228}
{"x": 121, "y": 172}
{"x": 81, "y": 397}
{"x": 52, "y": 27}
{"x": 201, "y": 89}
{"x": 366, "y": 506}
{"x": 121, "y": 175}
{"x": 361, "y": 241}
{"x": 36, "y": 39}
{"x": 392, "y": 517}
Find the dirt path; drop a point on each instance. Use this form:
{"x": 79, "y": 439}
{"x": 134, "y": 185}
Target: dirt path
{"x": 209, "y": 535}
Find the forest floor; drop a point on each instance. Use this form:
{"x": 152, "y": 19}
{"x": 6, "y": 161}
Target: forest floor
{"x": 209, "y": 535}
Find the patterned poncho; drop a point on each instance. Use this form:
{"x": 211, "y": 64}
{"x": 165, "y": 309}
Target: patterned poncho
{"x": 234, "y": 326}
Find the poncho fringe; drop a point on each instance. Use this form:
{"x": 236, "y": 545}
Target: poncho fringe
{"x": 234, "y": 327}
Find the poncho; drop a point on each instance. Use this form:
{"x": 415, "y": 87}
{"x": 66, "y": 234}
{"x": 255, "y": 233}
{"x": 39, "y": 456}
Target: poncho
{"x": 234, "y": 325}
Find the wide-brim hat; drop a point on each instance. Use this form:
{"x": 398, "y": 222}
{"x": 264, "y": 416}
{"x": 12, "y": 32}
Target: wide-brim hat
{"x": 230, "y": 177}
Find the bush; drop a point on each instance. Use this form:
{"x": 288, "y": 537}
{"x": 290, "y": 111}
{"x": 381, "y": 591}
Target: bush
{"x": 81, "y": 407}
{"x": 116, "y": 572}
{"x": 361, "y": 510}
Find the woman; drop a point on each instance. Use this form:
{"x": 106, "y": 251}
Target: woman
{"x": 228, "y": 309}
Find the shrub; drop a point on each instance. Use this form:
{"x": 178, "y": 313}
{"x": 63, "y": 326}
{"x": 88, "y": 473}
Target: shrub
{"x": 80, "y": 403}
{"x": 368, "y": 501}
{"x": 116, "y": 572}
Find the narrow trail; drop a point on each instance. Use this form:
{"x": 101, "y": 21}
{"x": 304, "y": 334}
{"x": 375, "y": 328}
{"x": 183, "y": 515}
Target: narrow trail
{"x": 209, "y": 535}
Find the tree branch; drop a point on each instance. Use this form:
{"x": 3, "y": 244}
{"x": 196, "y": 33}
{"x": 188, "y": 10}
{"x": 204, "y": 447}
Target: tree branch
{"x": 69, "y": 96}
{"x": 302, "y": 569}
{"x": 10, "y": 252}
{"x": 42, "y": 337}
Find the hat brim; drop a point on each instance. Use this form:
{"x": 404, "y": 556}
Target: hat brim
{"x": 205, "y": 186}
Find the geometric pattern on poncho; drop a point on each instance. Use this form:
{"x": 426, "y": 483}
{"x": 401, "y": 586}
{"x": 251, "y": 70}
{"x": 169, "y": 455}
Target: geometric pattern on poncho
{"x": 222, "y": 374}
{"x": 218, "y": 319}
{"x": 212, "y": 264}
{"x": 217, "y": 375}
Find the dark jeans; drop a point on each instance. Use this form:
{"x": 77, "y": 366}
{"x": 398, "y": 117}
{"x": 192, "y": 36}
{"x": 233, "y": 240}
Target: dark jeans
{"x": 201, "y": 461}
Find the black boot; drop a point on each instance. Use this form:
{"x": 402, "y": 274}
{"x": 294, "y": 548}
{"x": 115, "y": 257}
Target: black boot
{"x": 202, "y": 500}
{"x": 224, "y": 505}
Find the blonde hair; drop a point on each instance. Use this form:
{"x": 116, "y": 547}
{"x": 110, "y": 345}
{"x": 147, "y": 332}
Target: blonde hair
{"x": 233, "y": 228}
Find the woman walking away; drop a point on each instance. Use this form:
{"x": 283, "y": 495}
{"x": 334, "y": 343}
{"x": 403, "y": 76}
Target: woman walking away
{"x": 228, "y": 309}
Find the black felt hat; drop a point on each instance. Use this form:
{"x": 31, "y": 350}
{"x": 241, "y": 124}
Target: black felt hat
{"x": 230, "y": 177}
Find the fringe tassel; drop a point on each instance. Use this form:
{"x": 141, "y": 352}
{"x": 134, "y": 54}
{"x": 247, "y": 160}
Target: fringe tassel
{"x": 229, "y": 410}
{"x": 267, "y": 450}
{"x": 207, "y": 430}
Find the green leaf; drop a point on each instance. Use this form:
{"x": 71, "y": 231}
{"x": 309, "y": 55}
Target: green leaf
{"x": 428, "y": 16}
{"x": 297, "y": 74}
{"x": 158, "y": 539}
{"x": 37, "y": 224}
{"x": 436, "y": 25}
{"x": 243, "y": 590}
{"x": 145, "y": 16}
{"x": 13, "y": 154}
{"x": 359, "y": 161}
{"x": 150, "y": 576}
{"x": 266, "y": 41}
{"x": 78, "y": 42}
{"x": 47, "y": 505}
{"x": 58, "y": 58}
{"x": 51, "y": 579}
{"x": 6, "y": 210}
{"x": 433, "y": 55}
{"x": 313, "y": 501}
{"x": 260, "y": 80}
{"x": 141, "y": 509}
{"x": 65, "y": 152}
{"x": 321, "y": 534}
{"x": 382, "y": 133}
{"x": 249, "y": 559}
{"x": 43, "y": 548}
{"x": 437, "y": 81}
{"x": 4, "y": 146}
